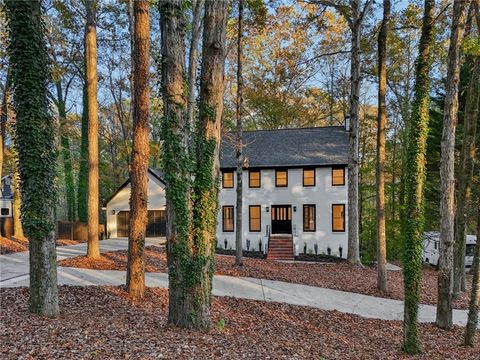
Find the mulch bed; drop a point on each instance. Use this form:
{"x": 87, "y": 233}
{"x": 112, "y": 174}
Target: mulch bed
{"x": 101, "y": 323}
{"x": 14, "y": 245}
{"x": 339, "y": 276}
{"x": 246, "y": 253}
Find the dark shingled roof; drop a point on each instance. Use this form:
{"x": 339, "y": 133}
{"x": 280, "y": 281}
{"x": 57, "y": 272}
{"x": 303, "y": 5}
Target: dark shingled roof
{"x": 321, "y": 146}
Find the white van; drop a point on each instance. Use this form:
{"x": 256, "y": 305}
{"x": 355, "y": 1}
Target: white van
{"x": 431, "y": 248}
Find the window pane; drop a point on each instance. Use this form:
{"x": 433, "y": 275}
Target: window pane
{"x": 227, "y": 218}
{"x": 254, "y": 218}
{"x": 309, "y": 217}
{"x": 254, "y": 179}
{"x": 338, "y": 176}
{"x": 308, "y": 177}
{"x": 281, "y": 178}
{"x": 338, "y": 217}
{"x": 227, "y": 179}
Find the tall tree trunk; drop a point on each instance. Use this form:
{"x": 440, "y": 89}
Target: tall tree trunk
{"x": 471, "y": 328}
{"x": 140, "y": 152}
{"x": 3, "y": 121}
{"x": 465, "y": 175}
{"x": 381, "y": 124}
{"x": 353, "y": 161}
{"x": 82, "y": 186}
{"x": 414, "y": 181}
{"x": 239, "y": 144}
{"x": 16, "y": 203}
{"x": 205, "y": 188}
{"x": 447, "y": 172}
{"x": 66, "y": 155}
{"x": 34, "y": 139}
{"x": 131, "y": 30}
{"x": 93, "y": 246}
{"x": 197, "y": 7}
{"x": 176, "y": 163}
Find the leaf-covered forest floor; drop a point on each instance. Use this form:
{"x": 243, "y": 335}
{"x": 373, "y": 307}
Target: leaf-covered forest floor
{"x": 338, "y": 276}
{"x": 13, "y": 245}
{"x": 99, "y": 322}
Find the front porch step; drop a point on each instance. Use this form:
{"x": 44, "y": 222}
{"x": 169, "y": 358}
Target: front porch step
{"x": 280, "y": 247}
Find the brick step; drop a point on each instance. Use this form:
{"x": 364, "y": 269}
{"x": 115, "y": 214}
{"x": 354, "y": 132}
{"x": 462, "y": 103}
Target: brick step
{"x": 290, "y": 258}
{"x": 275, "y": 252}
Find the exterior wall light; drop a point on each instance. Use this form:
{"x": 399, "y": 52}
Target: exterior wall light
{"x": 267, "y": 209}
{"x": 294, "y": 209}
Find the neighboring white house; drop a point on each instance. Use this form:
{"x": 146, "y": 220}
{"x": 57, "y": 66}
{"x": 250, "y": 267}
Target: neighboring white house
{"x": 294, "y": 193}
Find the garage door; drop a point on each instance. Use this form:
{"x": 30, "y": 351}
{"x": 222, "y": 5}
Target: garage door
{"x": 156, "y": 226}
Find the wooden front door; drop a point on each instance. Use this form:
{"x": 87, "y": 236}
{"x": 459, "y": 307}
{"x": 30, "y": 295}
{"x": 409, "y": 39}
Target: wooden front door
{"x": 281, "y": 219}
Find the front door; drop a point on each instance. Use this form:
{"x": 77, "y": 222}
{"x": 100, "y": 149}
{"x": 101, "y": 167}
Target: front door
{"x": 281, "y": 219}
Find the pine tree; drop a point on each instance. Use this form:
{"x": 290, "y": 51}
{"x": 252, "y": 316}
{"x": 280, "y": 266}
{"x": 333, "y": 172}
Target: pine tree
{"x": 380, "y": 170}
{"x": 140, "y": 152}
{"x": 93, "y": 246}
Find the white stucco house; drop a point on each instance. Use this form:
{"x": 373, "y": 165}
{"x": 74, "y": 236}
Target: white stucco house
{"x": 294, "y": 194}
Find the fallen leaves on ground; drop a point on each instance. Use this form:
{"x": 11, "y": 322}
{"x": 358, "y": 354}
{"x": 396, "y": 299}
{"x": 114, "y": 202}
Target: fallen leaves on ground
{"x": 99, "y": 322}
{"x": 13, "y": 245}
{"x": 339, "y": 276}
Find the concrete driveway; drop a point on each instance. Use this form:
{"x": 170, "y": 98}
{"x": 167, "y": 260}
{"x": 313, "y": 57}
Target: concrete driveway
{"x": 14, "y": 272}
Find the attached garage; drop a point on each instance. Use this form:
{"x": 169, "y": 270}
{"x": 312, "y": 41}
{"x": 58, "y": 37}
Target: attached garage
{"x": 118, "y": 208}
{"x": 156, "y": 226}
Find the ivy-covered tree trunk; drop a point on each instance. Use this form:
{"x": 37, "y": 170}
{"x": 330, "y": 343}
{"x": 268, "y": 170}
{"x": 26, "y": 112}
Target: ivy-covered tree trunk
{"x": 472, "y": 322}
{"x": 414, "y": 178}
{"x": 34, "y": 139}
{"x": 66, "y": 154}
{"x": 93, "y": 246}
{"x": 380, "y": 169}
{"x": 205, "y": 188}
{"x": 17, "y": 201}
{"x": 82, "y": 186}
{"x": 177, "y": 165}
{"x": 3, "y": 120}
{"x": 447, "y": 173}
{"x": 239, "y": 142}
{"x": 465, "y": 175}
{"x": 140, "y": 152}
